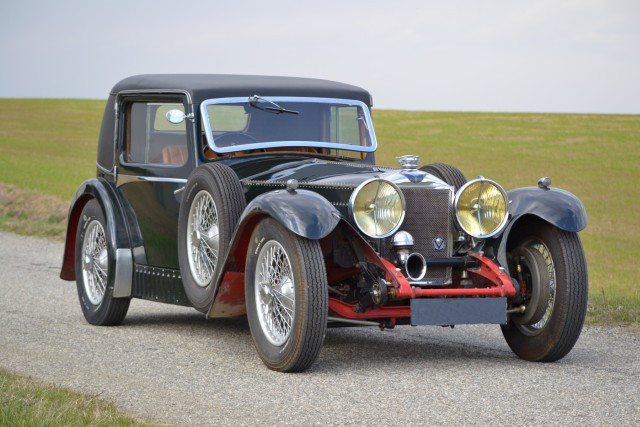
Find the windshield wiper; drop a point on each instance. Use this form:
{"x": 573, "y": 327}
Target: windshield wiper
{"x": 253, "y": 101}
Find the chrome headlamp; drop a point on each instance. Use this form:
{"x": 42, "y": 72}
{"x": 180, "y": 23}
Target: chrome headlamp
{"x": 377, "y": 207}
{"x": 482, "y": 208}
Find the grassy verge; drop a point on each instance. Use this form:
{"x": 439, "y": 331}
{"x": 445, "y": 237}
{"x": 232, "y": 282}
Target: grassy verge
{"x": 31, "y": 213}
{"x": 47, "y": 147}
{"x": 24, "y": 402}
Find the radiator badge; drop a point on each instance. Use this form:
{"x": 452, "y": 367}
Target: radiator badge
{"x": 439, "y": 244}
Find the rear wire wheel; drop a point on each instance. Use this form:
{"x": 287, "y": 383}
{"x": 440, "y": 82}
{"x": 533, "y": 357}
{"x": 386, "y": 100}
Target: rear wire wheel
{"x": 95, "y": 270}
{"x": 287, "y": 297}
{"x": 552, "y": 322}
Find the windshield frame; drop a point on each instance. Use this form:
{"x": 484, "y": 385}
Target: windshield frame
{"x": 275, "y": 144}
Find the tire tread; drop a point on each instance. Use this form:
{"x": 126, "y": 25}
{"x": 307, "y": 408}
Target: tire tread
{"x": 577, "y": 302}
{"x": 318, "y": 309}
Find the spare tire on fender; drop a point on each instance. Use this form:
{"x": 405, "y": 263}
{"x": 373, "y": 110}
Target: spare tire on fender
{"x": 212, "y": 203}
{"x": 448, "y": 173}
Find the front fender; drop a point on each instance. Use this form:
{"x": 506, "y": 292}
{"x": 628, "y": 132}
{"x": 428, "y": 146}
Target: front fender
{"x": 558, "y": 207}
{"x": 302, "y": 212}
{"x": 120, "y": 247}
{"x": 555, "y": 206}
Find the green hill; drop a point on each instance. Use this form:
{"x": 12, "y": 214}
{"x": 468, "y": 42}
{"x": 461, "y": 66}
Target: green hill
{"x": 48, "y": 147}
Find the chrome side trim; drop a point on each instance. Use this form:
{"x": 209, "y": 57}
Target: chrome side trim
{"x": 236, "y": 100}
{"x": 123, "y": 280}
{"x": 302, "y": 185}
{"x": 127, "y": 179}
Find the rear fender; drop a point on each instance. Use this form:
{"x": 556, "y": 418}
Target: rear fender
{"x": 302, "y": 212}
{"x": 117, "y": 230}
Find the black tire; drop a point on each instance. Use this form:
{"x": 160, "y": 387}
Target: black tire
{"x": 92, "y": 258}
{"x": 555, "y": 334}
{"x": 217, "y": 183}
{"x": 298, "y": 349}
{"x": 449, "y": 174}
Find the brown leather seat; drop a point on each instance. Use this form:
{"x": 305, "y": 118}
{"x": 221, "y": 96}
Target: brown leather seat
{"x": 174, "y": 155}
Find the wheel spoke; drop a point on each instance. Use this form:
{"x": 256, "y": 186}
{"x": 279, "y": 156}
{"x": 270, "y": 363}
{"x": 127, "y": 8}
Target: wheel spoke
{"x": 275, "y": 297}
{"x": 203, "y": 238}
{"x": 95, "y": 262}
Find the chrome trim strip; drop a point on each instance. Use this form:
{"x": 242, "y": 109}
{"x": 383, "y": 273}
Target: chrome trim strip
{"x": 126, "y": 179}
{"x": 123, "y": 280}
{"x": 320, "y": 144}
{"x": 301, "y": 185}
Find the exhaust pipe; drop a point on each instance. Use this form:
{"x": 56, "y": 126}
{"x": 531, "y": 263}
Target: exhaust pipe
{"x": 413, "y": 264}
{"x": 415, "y": 267}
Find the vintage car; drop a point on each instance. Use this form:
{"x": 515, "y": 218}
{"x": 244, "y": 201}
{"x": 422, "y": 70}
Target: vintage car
{"x": 260, "y": 196}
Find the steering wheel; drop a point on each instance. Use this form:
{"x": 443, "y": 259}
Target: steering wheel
{"x": 235, "y": 138}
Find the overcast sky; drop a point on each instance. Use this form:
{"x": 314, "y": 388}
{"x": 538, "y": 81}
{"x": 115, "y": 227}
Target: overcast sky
{"x": 551, "y": 56}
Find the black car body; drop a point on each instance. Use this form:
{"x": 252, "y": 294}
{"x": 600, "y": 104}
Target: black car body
{"x": 260, "y": 196}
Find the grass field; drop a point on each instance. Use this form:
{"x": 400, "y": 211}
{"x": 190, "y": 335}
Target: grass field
{"x": 24, "y": 402}
{"x": 47, "y": 147}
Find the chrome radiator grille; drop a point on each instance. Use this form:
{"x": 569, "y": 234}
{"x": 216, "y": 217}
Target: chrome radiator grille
{"x": 428, "y": 217}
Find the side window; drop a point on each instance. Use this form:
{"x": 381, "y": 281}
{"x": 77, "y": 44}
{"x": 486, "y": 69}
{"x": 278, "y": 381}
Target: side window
{"x": 151, "y": 138}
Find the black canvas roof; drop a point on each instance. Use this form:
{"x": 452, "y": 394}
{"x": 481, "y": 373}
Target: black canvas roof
{"x": 205, "y": 86}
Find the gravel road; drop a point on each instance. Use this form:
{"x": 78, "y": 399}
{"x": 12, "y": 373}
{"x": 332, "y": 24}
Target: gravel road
{"x": 170, "y": 364}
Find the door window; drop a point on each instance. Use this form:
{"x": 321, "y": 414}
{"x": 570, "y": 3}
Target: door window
{"x": 151, "y": 138}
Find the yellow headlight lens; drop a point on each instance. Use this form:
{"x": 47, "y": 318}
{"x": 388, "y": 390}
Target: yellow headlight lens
{"x": 377, "y": 207}
{"x": 482, "y": 208}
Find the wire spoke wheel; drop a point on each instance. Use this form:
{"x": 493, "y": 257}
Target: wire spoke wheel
{"x": 274, "y": 293}
{"x": 212, "y": 202}
{"x": 95, "y": 262}
{"x": 94, "y": 269}
{"x": 203, "y": 238}
{"x": 554, "y": 281}
{"x": 544, "y": 278}
{"x": 286, "y": 295}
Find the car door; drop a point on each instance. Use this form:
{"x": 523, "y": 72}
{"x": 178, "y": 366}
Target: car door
{"x": 154, "y": 163}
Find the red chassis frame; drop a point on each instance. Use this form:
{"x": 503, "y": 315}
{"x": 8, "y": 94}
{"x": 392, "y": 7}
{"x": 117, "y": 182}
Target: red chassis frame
{"x": 498, "y": 285}
{"x": 230, "y": 299}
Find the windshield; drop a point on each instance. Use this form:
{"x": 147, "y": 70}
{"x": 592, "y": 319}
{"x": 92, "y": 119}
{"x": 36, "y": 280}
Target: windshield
{"x": 256, "y": 122}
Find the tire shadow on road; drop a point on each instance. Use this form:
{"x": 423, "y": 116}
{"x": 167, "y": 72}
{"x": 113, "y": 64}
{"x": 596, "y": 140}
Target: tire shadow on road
{"x": 366, "y": 348}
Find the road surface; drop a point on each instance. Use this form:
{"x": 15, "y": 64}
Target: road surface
{"x": 169, "y": 364}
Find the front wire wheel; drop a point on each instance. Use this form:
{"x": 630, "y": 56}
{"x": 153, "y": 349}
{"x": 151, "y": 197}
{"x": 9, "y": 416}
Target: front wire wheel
{"x": 287, "y": 299}
{"x": 554, "y": 272}
{"x": 274, "y": 293}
